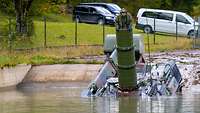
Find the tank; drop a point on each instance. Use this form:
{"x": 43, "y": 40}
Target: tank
{"x": 110, "y": 45}
{"x": 125, "y": 71}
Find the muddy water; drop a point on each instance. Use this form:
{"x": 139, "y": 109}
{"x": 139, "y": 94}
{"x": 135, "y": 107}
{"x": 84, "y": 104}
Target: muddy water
{"x": 66, "y": 98}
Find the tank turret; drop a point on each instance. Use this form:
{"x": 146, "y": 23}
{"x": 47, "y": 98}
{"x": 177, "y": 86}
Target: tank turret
{"x": 125, "y": 52}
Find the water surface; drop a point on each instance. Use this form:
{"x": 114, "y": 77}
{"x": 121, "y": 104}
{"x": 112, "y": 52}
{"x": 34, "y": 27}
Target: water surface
{"x": 66, "y": 98}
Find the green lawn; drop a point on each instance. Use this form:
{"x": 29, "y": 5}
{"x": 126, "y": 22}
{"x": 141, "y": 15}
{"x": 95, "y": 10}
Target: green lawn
{"x": 64, "y": 55}
{"x": 61, "y": 32}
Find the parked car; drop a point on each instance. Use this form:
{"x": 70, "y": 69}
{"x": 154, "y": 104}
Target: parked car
{"x": 93, "y": 14}
{"x": 165, "y": 21}
{"x": 113, "y": 8}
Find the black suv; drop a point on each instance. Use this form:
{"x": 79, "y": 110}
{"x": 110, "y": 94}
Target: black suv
{"x": 93, "y": 14}
{"x": 113, "y": 8}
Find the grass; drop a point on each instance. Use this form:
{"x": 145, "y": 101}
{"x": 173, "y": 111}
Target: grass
{"x": 64, "y": 55}
{"x": 61, "y": 32}
{"x": 165, "y": 42}
{"x": 54, "y": 18}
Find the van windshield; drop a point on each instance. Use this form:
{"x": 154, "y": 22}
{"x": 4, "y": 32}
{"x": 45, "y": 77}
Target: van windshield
{"x": 102, "y": 10}
{"x": 189, "y": 18}
{"x": 114, "y": 7}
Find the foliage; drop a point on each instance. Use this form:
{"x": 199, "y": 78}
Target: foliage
{"x": 196, "y": 10}
{"x": 179, "y": 5}
{"x": 7, "y": 7}
{"x": 134, "y": 5}
{"x": 40, "y": 7}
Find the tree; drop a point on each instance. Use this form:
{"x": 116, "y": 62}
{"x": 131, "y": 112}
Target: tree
{"x": 179, "y": 5}
{"x": 22, "y": 8}
{"x": 6, "y": 7}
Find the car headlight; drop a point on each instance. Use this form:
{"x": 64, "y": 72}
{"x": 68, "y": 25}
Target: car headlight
{"x": 108, "y": 17}
{"x": 196, "y": 27}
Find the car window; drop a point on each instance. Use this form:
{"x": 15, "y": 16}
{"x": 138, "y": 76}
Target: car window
{"x": 189, "y": 18}
{"x": 149, "y": 14}
{"x": 82, "y": 9}
{"x": 112, "y": 8}
{"x": 165, "y": 16}
{"x": 103, "y": 10}
{"x": 100, "y": 5}
{"x": 92, "y": 10}
{"x": 182, "y": 19}
{"x": 116, "y": 7}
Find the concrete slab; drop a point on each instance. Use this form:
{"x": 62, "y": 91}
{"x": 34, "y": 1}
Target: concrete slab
{"x": 62, "y": 73}
{"x": 11, "y": 76}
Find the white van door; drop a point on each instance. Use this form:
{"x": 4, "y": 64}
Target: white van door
{"x": 165, "y": 23}
{"x": 183, "y": 25}
{"x": 147, "y": 18}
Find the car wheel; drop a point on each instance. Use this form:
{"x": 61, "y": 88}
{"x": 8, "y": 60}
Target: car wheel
{"x": 147, "y": 29}
{"x": 100, "y": 22}
{"x": 77, "y": 19}
{"x": 191, "y": 34}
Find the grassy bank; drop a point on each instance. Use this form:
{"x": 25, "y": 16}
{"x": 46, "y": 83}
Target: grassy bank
{"x": 64, "y": 55}
{"x": 61, "y": 32}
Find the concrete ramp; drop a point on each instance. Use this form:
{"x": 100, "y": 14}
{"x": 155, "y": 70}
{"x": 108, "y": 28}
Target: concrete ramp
{"x": 62, "y": 73}
{"x": 12, "y": 76}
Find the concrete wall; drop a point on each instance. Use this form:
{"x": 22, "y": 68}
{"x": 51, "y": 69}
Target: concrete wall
{"x": 62, "y": 73}
{"x": 13, "y": 75}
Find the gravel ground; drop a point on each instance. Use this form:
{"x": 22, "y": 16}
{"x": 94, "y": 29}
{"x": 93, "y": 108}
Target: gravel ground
{"x": 187, "y": 61}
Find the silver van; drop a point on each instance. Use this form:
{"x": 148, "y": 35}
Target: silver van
{"x": 165, "y": 21}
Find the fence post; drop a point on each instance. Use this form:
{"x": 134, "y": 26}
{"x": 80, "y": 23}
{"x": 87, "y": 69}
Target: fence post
{"x": 103, "y": 30}
{"x": 194, "y": 38}
{"x": 149, "y": 52}
{"x": 10, "y": 36}
{"x": 27, "y": 28}
{"x": 198, "y": 28}
{"x": 45, "y": 32}
{"x": 76, "y": 28}
{"x": 176, "y": 30}
{"x": 154, "y": 34}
